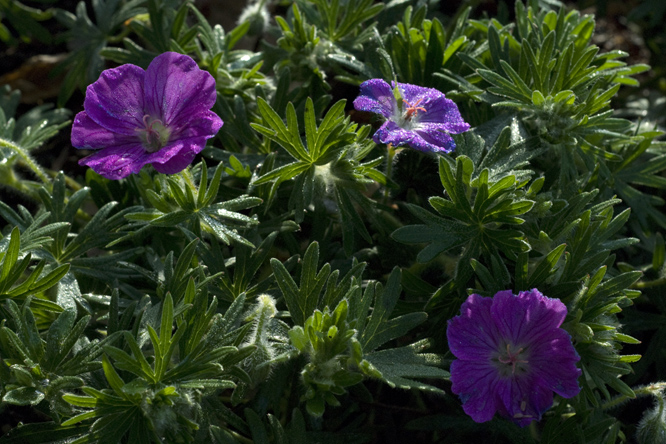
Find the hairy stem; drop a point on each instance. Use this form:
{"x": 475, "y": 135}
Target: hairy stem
{"x": 640, "y": 391}
{"x": 27, "y": 159}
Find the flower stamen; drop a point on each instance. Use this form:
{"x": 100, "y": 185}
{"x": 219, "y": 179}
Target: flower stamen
{"x": 155, "y": 135}
{"x": 412, "y": 110}
{"x": 512, "y": 358}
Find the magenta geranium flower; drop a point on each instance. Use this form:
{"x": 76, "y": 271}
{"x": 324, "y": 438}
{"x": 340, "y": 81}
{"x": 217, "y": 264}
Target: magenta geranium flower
{"x": 160, "y": 116}
{"x": 423, "y": 120}
{"x": 512, "y": 355}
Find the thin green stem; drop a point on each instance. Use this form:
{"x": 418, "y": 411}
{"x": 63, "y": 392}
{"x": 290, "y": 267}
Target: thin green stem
{"x": 640, "y": 391}
{"x": 650, "y": 284}
{"x": 120, "y": 36}
{"x": 390, "y": 155}
{"x": 27, "y": 159}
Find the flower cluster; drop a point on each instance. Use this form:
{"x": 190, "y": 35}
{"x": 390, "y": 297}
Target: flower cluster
{"x": 160, "y": 116}
{"x": 424, "y": 119}
{"x": 512, "y": 355}
{"x": 506, "y": 345}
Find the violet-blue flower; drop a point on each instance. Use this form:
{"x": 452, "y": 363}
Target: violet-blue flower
{"x": 424, "y": 120}
{"x": 160, "y": 116}
{"x": 512, "y": 355}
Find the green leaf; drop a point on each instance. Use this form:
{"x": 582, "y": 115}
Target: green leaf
{"x": 43, "y": 432}
{"x": 61, "y": 338}
{"x": 23, "y": 396}
{"x": 545, "y": 268}
{"x": 380, "y": 329}
{"x": 400, "y": 366}
{"x": 10, "y": 256}
{"x": 112, "y": 377}
{"x": 304, "y": 300}
{"x": 441, "y": 235}
{"x": 288, "y": 138}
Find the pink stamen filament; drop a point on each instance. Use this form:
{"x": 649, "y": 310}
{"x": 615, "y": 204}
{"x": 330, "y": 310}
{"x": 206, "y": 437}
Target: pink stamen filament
{"x": 412, "y": 110}
{"x": 512, "y": 358}
{"x": 152, "y": 135}
{"x": 154, "y": 138}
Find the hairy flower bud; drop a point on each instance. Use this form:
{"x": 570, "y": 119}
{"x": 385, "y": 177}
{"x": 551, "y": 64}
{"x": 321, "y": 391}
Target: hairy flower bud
{"x": 261, "y": 315}
{"x": 652, "y": 428}
{"x": 257, "y": 14}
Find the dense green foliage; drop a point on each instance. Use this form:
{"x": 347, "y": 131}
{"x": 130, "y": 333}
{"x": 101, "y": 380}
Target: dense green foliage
{"x": 296, "y": 279}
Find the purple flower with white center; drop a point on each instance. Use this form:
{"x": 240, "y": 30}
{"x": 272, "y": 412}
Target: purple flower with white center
{"x": 512, "y": 355}
{"x": 423, "y": 120}
{"x": 160, "y": 116}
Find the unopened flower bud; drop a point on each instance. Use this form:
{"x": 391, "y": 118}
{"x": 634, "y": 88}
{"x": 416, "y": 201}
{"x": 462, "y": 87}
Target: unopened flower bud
{"x": 257, "y": 14}
{"x": 652, "y": 428}
{"x": 255, "y": 364}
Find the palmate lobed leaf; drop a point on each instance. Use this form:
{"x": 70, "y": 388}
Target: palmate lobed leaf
{"x": 329, "y": 337}
{"x": 380, "y": 328}
{"x": 18, "y": 137}
{"x": 302, "y": 301}
{"x": 43, "y": 432}
{"x": 329, "y": 164}
{"x": 341, "y": 24}
{"x": 85, "y": 63}
{"x": 399, "y": 366}
{"x": 550, "y": 73}
{"x": 248, "y": 263}
{"x": 181, "y": 204}
{"x": 464, "y": 220}
{"x": 324, "y": 143}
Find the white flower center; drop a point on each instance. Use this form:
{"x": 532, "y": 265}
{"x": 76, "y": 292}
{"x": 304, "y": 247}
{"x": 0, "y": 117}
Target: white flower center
{"x": 408, "y": 117}
{"x": 512, "y": 359}
{"x": 155, "y": 135}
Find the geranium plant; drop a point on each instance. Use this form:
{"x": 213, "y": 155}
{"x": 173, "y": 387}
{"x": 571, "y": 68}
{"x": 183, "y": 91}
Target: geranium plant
{"x": 376, "y": 222}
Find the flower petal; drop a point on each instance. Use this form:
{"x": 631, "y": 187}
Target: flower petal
{"x": 391, "y": 133}
{"x": 525, "y": 317}
{"x": 542, "y": 356}
{"x": 177, "y": 90}
{"x": 438, "y": 109}
{"x": 474, "y": 382}
{"x": 413, "y": 93}
{"x": 176, "y": 155}
{"x": 176, "y": 163}
{"x": 376, "y": 97}
{"x": 435, "y": 135}
{"x": 522, "y": 400}
{"x": 445, "y": 112}
{"x": 563, "y": 377}
{"x": 87, "y": 134}
{"x": 115, "y": 100}
{"x": 117, "y": 162}
{"x": 472, "y": 335}
{"x": 205, "y": 124}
